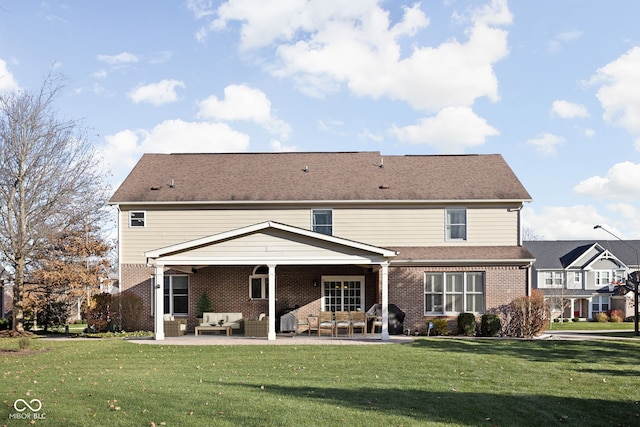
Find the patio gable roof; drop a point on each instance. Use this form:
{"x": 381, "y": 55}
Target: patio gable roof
{"x": 269, "y": 243}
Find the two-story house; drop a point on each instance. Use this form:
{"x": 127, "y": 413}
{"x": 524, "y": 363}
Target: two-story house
{"x": 262, "y": 232}
{"x": 579, "y": 278}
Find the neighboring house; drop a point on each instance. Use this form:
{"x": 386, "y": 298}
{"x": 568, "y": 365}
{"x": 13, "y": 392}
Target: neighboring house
{"x": 579, "y": 277}
{"x": 266, "y": 232}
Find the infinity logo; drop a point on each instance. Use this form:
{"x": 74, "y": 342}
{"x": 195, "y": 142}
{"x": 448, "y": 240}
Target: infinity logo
{"x": 37, "y": 405}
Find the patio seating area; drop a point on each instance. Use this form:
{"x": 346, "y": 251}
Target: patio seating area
{"x": 341, "y": 323}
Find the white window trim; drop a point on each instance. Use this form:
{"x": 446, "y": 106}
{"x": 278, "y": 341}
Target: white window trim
{"x": 554, "y": 276}
{"x": 170, "y": 308}
{"x": 313, "y": 225}
{"x": 264, "y": 287}
{"x": 599, "y": 279}
{"x": 323, "y": 279}
{"x": 464, "y": 292}
{"x": 144, "y": 219}
{"x": 599, "y": 303}
{"x": 447, "y": 229}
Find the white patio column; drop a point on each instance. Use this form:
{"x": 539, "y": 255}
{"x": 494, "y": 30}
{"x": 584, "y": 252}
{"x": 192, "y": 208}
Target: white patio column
{"x": 159, "y": 297}
{"x": 272, "y": 302}
{"x": 385, "y": 300}
{"x": 573, "y": 301}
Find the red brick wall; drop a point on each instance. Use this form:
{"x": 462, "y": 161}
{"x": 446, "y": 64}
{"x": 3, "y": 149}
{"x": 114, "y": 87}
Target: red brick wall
{"x": 228, "y": 289}
{"x": 406, "y": 289}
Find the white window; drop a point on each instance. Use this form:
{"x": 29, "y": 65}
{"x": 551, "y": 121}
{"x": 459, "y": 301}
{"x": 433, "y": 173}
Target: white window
{"x": 455, "y": 292}
{"x": 137, "y": 219}
{"x": 603, "y": 277}
{"x": 552, "y": 278}
{"x": 259, "y": 283}
{"x": 577, "y": 277}
{"x": 600, "y": 303}
{"x": 456, "y": 224}
{"x": 343, "y": 293}
{"x": 176, "y": 294}
{"x": 322, "y": 221}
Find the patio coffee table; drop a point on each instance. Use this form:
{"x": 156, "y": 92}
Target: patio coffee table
{"x": 227, "y": 329}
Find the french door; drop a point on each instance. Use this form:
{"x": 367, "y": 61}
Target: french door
{"x": 342, "y": 293}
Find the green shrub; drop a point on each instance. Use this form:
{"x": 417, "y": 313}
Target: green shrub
{"x": 575, "y": 319}
{"x": 440, "y": 326}
{"x": 490, "y": 325}
{"x": 601, "y": 317}
{"x": 556, "y": 320}
{"x": 467, "y": 324}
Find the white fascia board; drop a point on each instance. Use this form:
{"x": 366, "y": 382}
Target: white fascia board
{"x": 276, "y": 261}
{"x": 594, "y": 245}
{"x": 604, "y": 255}
{"x": 453, "y": 262}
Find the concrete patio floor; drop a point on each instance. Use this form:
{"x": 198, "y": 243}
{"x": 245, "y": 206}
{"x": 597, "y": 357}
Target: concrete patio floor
{"x": 281, "y": 339}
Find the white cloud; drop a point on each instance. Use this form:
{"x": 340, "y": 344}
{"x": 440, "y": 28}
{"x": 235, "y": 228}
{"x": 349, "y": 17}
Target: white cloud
{"x": 546, "y": 144}
{"x": 622, "y": 182}
{"x": 367, "y": 134}
{"x": 7, "y": 82}
{"x": 563, "y": 222}
{"x": 160, "y": 93}
{"x": 589, "y": 133}
{"x": 119, "y": 59}
{"x": 452, "y": 130}
{"x": 568, "y": 110}
{"x": 279, "y": 147}
{"x": 247, "y": 104}
{"x": 556, "y": 44}
{"x": 619, "y": 93}
{"x": 327, "y": 45}
{"x": 123, "y": 149}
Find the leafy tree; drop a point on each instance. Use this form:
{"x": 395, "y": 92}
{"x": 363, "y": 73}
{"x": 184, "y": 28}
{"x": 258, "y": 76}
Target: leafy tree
{"x": 50, "y": 182}
{"x": 73, "y": 262}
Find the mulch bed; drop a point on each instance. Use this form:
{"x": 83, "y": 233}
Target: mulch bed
{"x": 10, "y": 333}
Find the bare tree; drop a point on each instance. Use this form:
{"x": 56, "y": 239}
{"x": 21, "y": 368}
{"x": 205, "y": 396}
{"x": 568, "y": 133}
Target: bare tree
{"x": 50, "y": 180}
{"x": 530, "y": 234}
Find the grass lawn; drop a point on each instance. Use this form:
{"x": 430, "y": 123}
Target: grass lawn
{"x": 590, "y": 326}
{"x": 433, "y": 381}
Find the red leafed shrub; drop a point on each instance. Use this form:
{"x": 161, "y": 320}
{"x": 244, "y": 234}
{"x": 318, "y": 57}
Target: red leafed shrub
{"x": 526, "y": 317}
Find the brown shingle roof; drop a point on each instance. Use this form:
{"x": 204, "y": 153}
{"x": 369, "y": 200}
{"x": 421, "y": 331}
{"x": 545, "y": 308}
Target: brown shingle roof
{"x": 434, "y": 254}
{"x": 347, "y": 176}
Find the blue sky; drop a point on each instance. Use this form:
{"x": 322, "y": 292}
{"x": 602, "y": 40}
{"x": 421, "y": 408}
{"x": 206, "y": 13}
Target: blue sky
{"x": 553, "y": 86}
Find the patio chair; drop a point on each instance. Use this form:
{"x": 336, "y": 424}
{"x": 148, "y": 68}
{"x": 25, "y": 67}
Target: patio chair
{"x": 358, "y": 321}
{"x": 313, "y": 324}
{"x": 302, "y": 325}
{"x": 174, "y": 327}
{"x": 325, "y": 322}
{"x": 343, "y": 321}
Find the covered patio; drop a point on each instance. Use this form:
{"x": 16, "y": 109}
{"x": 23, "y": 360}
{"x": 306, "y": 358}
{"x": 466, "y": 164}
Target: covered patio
{"x": 279, "y": 249}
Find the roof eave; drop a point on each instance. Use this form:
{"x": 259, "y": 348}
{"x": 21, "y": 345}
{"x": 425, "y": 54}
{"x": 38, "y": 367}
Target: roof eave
{"x": 333, "y": 202}
{"x": 450, "y": 262}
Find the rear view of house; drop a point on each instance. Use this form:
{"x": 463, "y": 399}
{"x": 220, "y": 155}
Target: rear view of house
{"x": 268, "y": 232}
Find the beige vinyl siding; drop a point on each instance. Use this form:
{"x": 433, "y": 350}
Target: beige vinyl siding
{"x": 267, "y": 246}
{"x": 168, "y": 227}
{"x": 385, "y": 227}
{"x": 492, "y": 226}
{"x": 422, "y": 227}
